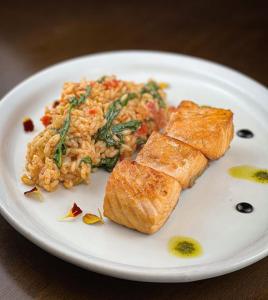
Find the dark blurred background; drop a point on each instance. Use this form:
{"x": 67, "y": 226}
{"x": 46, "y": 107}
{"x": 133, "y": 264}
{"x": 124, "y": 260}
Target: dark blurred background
{"x": 36, "y": 34}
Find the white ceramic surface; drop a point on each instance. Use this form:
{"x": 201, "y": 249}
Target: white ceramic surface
{"x": 206, "y": 212}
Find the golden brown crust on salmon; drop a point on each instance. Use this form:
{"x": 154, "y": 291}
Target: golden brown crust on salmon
{"x": 207, "y": 129}
{"x": 172, "y": 157}
{"x": 139, "y": 197}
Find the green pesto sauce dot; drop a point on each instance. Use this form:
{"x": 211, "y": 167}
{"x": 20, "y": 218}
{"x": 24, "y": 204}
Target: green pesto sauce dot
{"x": 184, "y": 247}
{"x": 261, "y": 175}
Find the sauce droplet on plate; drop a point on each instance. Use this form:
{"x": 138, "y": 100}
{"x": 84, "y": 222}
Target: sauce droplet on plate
{"x": 245, "y": 133}
{"x": 244, "y": 207}
{"x": 184, "y": 247}
{"x": 249, "y": 173}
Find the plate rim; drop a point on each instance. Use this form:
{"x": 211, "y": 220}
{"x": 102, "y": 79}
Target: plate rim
{"x": 113, "y": 268}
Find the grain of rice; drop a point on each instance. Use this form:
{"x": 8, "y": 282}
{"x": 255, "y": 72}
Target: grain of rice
{"x": 86, "y": 120}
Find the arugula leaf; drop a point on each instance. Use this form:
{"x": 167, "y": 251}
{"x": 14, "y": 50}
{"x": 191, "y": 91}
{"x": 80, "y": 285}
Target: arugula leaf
{"x": 129, "y": 97}
{"x": 106, "y": 132}
{"x": 86, "y": 160}
{"x": 61, "y": 147}
{"x": 132, "y": 125}
{"x": 74, "y": 101}
{"x": 100, "y": 80}
{"x": 152, "y": 88}
{"x": 58, "y": 154}
{"x": 84, "y": 97}
{"x": 109, "y": 163}
{"x": 140, "y": 141}
{"x": 113, "y": 111}
{"x": 106, "y": 135}
{"x": 117, "y": 105}
{"x": 66, "y": 124}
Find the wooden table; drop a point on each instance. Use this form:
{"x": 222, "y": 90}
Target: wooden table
{"x": 32, "y": 37}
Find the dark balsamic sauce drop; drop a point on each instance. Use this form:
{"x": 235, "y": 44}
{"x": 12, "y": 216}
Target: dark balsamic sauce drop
{"x": 245, "y": 133}
{"x": 244, "y": 207}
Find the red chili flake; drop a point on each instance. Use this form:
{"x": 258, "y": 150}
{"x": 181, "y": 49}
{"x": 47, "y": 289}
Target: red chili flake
{"x": 46, "y": 120}
{"x": 73, "y": 212}
{"x": 111, "y": 84}
{"x": 28, "y": 125}
{"x": 92, "y": 111}
{"x": 92, "y": 83}
{"x": 35, "y": 192}
{"x": 55, "y": 103}
{"x": 143, "y": 130}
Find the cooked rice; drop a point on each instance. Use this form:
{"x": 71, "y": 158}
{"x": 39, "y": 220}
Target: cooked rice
{"x": 86, "y": 119}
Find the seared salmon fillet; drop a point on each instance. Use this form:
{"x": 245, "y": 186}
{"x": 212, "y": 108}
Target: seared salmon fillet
{"x": 172, "y": 157}
{"x": 139, "y": 197}
{"x": 207, "y": 129}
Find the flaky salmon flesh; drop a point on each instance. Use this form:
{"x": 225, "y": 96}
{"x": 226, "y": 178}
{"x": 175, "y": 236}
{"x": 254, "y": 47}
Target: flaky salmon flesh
{"x": 172, "y": 157}
{"x": 139, "y": 197}
{"x": 142, "y": 194}
{"x": 207, "y": 129}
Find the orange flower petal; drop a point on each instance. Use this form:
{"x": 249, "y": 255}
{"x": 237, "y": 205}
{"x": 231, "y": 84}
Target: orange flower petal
{"x": 93, "y": 219}
{"x": 163, "y": 85}
{"x": 73, "y": 212}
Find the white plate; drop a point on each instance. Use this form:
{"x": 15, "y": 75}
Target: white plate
{"x": 206, "y": 212}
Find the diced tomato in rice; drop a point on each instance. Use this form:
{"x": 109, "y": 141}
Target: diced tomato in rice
{"x": 143, "y": 130}
{"x": 111, "y": 84}
{"x": 46, "y": 120}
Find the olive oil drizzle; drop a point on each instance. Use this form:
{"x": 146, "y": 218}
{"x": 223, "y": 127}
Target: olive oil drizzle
{"x": 249, "y": 173}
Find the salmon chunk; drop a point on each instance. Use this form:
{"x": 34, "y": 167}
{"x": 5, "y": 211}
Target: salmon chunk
{"x": 207, "y": 129}
{"x": 172, "y": 157}
{"x": 139, "y": 197}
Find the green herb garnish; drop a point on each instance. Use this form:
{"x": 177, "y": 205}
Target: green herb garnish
{"x": 86, "y": 160}
{"x": 127, "y": 98}
{"x": 102, "y": 79}
{"x": 74, "y": 101}
{"x": 109, "y": 163}
{"x": 140, "y": 141}
{"x": 61, "y": 147}
{"x": 185, "y": 247}
{"x": 132, "y": 125}
{"x": 261, "y": 175}
{"x": 106, "y": 132}
{"x": 152, "y": 88}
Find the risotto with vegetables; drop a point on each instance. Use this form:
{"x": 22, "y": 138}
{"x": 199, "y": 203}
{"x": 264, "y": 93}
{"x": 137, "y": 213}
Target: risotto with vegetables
{"x": 93, "y": 125}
